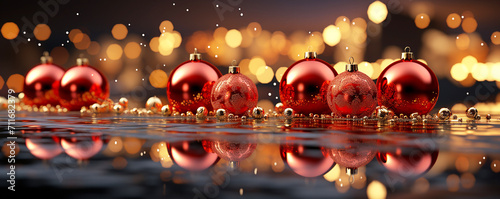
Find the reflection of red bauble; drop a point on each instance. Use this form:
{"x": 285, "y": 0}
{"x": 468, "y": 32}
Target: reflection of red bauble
{"x": 191, "y": 155}
{"x": 190, "y": 85}
{"x": 304, "y": 85}
{"x": 82, "y": 85}
{"x": 408, "y": 162}
{"x": 408, "y": 86}
{"x": 233, "y": 151}
{"x": 44, "y": 148}
{"x": 305, "y": 160}
{"x": 234, "y": 92}
{"x": 352, "y": 93}
{"x": 81, "y": 147}
{"x": 353, "y": 157}
{"x": 41, "y": 83}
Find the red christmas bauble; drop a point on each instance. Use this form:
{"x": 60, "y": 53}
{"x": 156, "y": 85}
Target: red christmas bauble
{"x": 352, "y": 93}
{"x": 190, "y": 84}
{"x": 306, "y": 161}
{"x": 304, "y": 85}
{"x": 41, "y": 83}
{"x": 82, "y": 147}
{"x": 234, "y": 92}
{"x": 408, "y": 86}
{"x": 233, "y": 151}
{"x": 192, "y": 155}
{"x": 408, "y": 162}
{"x": 44, "y": 148}
{"x": 82, "y": 85}
{"x": 353, "y": 157}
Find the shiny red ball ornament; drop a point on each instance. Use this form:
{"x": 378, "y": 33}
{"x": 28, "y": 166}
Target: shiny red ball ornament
{"x": 82, "y": 147}
{"x": 353, "y": 157}
{"x": 192, "y": 155}
{"x": 45, "y": 148}
{"x": 408, "y": 161}
{"x": 190, "y": 84}
{"x": 41, "y": 83}
{"x": 82, "y": 85}
{"x": 352, "y": 93}
{"x": 307, "y": 161}
{"x": 407, "y": 86}
{"x": 233, "y": 151}
{"x": 304, "y": 85}
{"x": 234, "y": 92}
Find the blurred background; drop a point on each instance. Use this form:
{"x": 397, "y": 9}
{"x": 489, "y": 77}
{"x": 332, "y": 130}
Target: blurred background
{"x": 137, "y": 44}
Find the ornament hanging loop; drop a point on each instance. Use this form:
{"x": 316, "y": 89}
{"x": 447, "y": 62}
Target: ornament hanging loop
{"x": 351, "y": 179}
{"x": 195, "y": 55}
{"x": 234, "y": 69}
{"x": 351, "y": 67}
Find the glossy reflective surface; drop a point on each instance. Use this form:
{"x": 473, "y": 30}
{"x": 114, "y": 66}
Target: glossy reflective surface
{"x": 40, "y": 85}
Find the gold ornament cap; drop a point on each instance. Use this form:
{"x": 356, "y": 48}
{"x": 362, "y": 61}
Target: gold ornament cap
{"x": 82, "y": 61}
{"x": 407, "y": 54}
{"x": 195, "y": 55}
{"x": 310, "y": 54}
{"x": 46, "y": 58}
{"x": 351, "y": 67}
{"x": 351, "y": 171}
{"x": 234, "y": 69}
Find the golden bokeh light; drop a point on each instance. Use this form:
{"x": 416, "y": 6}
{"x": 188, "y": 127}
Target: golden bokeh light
{"x": 73, "y": 35}
{"x": 2, "y": 82}
{"x": 264, "y": 74}
{"x": 119, "y": 31}
{"x": 278, "y": 41}
{"x": 265, "y": 104}
{"x": 254, "y": 29}
{"x": 462, "y": 41}
{"x": 331, "y": 35}
{"x": 114, "y": 52}
{"x": 166, "y": 43}
{"x": 340, "y": 66}
{"x": 158, "y": 79}
{"x": 459, "y": 72}
{"x": 495, "y": 71}
{"x": 94, "y": 48}
{"x": 255, "y": 64}
{"x": 166, "y": 26}
{"x": 10, "y": 30}
{"x": 177, "y": 39}
{"x": 344, "y": 25}
{"x": 366, "y": 68}
{"x": 115, "y": 144}
{"x": 359, "y": 22}
{"x": 377, "y": 12}
{"x": 495, "y": 164}
{"x": 453, "y": 20}
{"x": 280, "y": 72}
{"x": 422, "y": 20}
{"x": 42, "y": 32}
{"x": 84, "y": 42}
{"x": 132, "y": 50}
{"x": 385, "y": 63}
{"x": 15, "y": 82}
{"x": 154, "y": 43}
{"x": 233, "y": 38}
{"x": 495, "y": 38}
{"x": 469, "y": 62}
{"x": 376, "y": 190}
{"x": 480, "y": 71}
{"x": 469, "y": 25}
{"x": 59, "y": 55}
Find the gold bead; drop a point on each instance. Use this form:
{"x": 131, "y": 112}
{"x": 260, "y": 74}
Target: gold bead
{"x": 288, "y": 113}
{"x": 279, "y": 107}
{"x": 258, "y": 112}
{"x": 201, "y": 113}
{"x": 154, "y": 104}
{"x": 117, "y": 108}
{"x": 95, "y": 107}
{"x": 444, "y": 114}
{"x": 220, "y": 114}
{"x": 165, "y": 110}
{"x": 124, "y": 102}
{"x": 471, "y": 113}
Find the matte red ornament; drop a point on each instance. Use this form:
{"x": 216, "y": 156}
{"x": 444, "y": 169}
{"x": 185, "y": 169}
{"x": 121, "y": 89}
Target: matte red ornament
{"x": 190, "y": 84}
{"x": 192, "y": 155}
{"x": 306, "y": 161}
{"x": 407, "y": 86}
{"x": 234, "y": 92}
{"x": 82, "y": 85}
{"x": 304, "y": 85}
{"x": 41, "y": 83}
{"x": 352, "y": 93}
{"x": 233, "y": 151}
{"x": 408, "y": 161}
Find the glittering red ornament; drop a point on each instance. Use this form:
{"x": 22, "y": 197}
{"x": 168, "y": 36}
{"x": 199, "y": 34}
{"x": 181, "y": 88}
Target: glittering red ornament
{"x": 407, "y": 86}
{"x": 352, "y": 93}
{"x": 192, "y": 155}
{"x": 190, "y": 84}
{"x": 41, "y": 83}
{"x": 307, "y": 161}
{"x": 233, "y": 151}
{"x": 81, "y": 147}
{"x": 304, "y": 85}
{"x": 82, "y": 85}
{"x": 408, "y": 161}
{"x": 234, "y": 92}
{"x": 354, "y": 155}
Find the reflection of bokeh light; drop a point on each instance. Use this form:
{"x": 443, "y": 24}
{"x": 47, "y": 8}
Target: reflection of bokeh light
{"x": 119, "y": 31}
{"x": 462, "y": 41}
{"x": 453, "y": 20}
{"x": 59, "y": 55}
{"x": 453, "y": 182}
{"x": 467, "y": 180}
{"x": 233, "y": 38}
{"x": 462, "y": 164}
{"x": 42, "y": 32}
{"x": 495, "y": 166}
{"x": 10, "y": 30}
{"x": 280, "y": 72}
{"x": 264, "y": 74}
{"x": 469, "y": 25}
{"x": 158, "y": 78}
{"x": 132, "y": 50}
{"x": 119, "y": 162}
{"x": 84, "y": 42}
{"x": 422, "y": 21}
{"x": 115, "y": 144}
{"x": 377, "y": 12}
{"x": 495, "y": 38}
{"x": 94, "y": 48}
{"x": 154, "y": 43}
{"x": 480, "y": 71}
{"x": 331, "y": 35}
{"x": 421, "y": 186}
{"x": 254, "y": 29}
{"x": 459, "y": 72}
{"x": 72, "y": 35}
{"x": 166, "y": 26}
{"x": 376, "y": 190}
{"x": 132, "y": 145}
{"x": 256, "y": 63}
{"x": 16, "y": 82}
{"x": 333, "y": 174}
{"x": 159, "y": 153}
{"x": 366, "y": 68}
{"x": 114, "y": 51}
